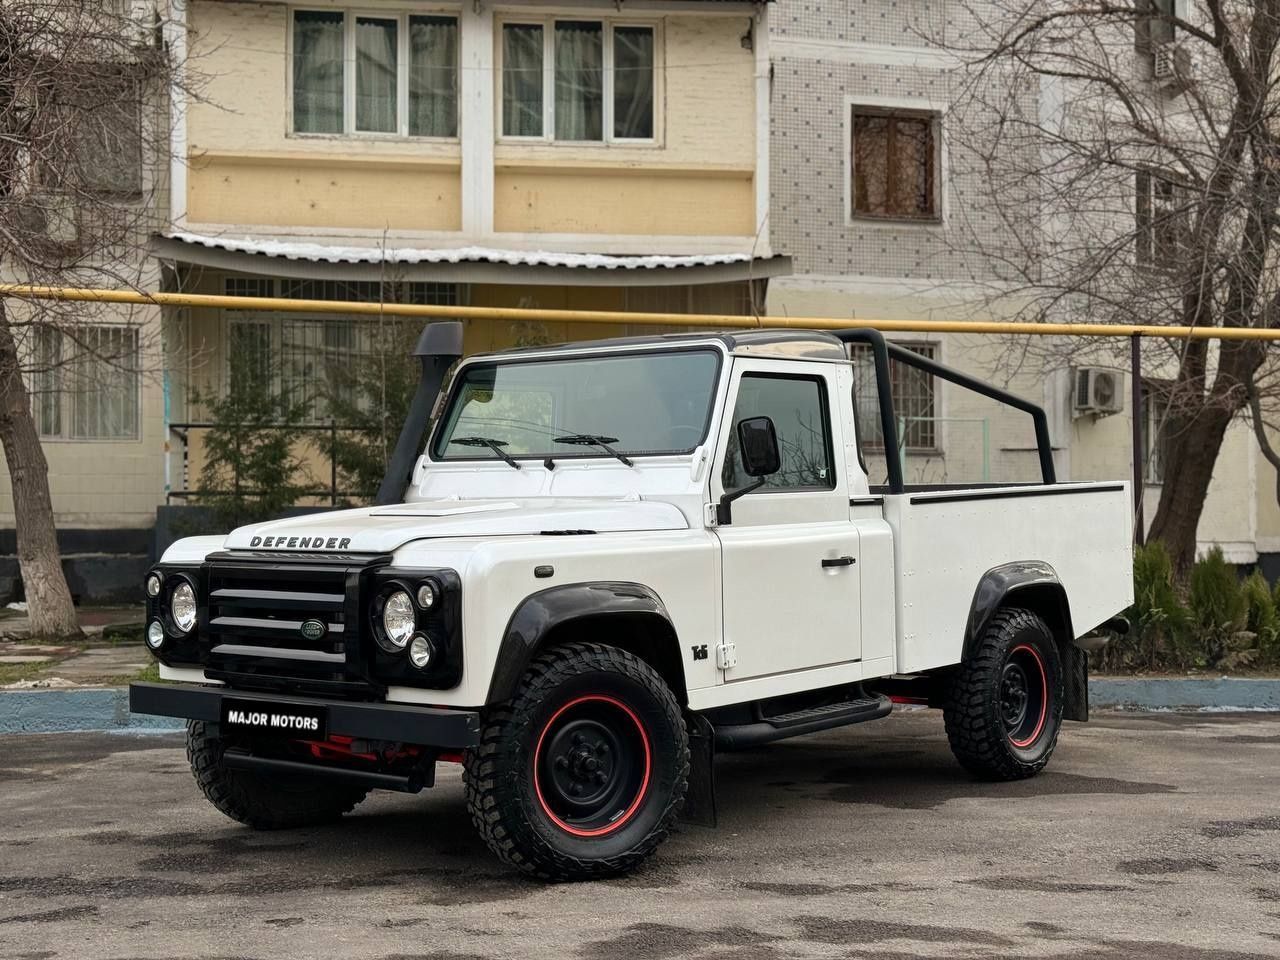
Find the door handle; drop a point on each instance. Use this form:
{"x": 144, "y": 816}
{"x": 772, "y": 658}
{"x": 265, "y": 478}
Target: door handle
{"x": 839, "y": 562}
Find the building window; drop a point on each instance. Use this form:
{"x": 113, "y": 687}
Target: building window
{"x": 1155, "y": 429}
{"x": 601, "y": 75}
{"x": 1153, "y": 26}
{"x": 394, "y": 75}
{"x": 299, "y": 355}
{"x": 1162, "y": 220}
{"x": 798, "y": 408}
{"x": 895, "y": 162}
{"x": 86, "y": 383}
{"x": 914, "y": 395}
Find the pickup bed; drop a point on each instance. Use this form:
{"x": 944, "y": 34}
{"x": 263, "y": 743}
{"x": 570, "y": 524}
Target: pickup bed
{"x": 610, "y": 560}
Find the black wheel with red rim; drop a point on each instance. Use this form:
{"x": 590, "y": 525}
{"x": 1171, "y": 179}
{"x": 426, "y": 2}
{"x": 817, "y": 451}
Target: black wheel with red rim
{"x": 592, "y": 765}
{"x": 582, "y": 773}
{"x": 1003, "y": 708}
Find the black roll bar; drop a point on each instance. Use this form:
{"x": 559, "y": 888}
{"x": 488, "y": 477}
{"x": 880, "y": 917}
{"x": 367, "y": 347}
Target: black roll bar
{"x": 882, "y": 351}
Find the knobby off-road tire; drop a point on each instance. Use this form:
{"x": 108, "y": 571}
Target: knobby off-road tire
{"x": 582, "y": 773}
{"x": 1003, "y": 708}
{"x": 264, "y": 803}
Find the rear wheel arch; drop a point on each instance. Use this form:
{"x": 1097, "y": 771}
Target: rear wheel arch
{"x": 1032, "y": 585}
{"x": 1029, "y": 584}
{"x": 628, "y": 616}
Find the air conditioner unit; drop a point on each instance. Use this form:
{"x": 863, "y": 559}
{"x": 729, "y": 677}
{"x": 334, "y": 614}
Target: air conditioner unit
{"x": 1171, "y": 65}
{"x": 1098, "y": 392}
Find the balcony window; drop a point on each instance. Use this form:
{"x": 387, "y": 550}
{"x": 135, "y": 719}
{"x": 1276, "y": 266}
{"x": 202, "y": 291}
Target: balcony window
{"x": 602, "y": 77}
{"x": 382, "y": 75}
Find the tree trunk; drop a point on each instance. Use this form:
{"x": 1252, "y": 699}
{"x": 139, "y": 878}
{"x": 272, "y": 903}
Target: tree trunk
{"x": 1196, "y": 442}
{"x": 49, "y": 603}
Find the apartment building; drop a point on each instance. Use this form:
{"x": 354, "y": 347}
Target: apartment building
{"x": 581, "y": 155}
{"x": 880, "y": 219}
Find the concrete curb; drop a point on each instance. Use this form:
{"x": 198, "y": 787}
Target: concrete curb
{"x": 54, "y": 711}
{"x": 1209, "y": 695}
{"x": 98, "y": 708}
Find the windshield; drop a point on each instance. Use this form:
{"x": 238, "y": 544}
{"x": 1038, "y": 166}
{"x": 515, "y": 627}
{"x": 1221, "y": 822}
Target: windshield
{"x": 650, "y": 403}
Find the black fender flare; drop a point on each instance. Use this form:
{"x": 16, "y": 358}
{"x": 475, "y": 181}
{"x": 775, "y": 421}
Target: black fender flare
{"x": 1035, "y": 585}
{"x": 542, "y": 612}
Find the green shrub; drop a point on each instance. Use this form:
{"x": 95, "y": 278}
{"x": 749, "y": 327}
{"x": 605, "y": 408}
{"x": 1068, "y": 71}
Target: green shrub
{"x": 1157, "y": 618}
{"x": 1262, "y": 621}
{"x": 251, "y": 471}
{"x": 1219, "y": 614}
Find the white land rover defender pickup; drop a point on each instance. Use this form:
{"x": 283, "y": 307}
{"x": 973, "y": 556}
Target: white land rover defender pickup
{"x": 610, "y": 560}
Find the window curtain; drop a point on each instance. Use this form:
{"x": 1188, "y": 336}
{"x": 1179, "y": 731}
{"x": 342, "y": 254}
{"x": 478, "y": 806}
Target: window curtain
{"x": 376, "y": 65}
{"x": 521, "y": 80}
{"x": 579, "y": 72}
{"x": 633, "y": 82}
{"x": 317, "y": 72}
{"x": 433, "y": 77}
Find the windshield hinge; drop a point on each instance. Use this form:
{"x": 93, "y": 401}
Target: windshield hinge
{"x": 709, "y": 515}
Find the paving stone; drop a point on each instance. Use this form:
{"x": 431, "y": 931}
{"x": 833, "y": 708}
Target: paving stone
{"x": 15, "y": 658}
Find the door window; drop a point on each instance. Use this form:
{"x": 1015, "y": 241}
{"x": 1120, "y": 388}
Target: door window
{"x": 798, "y": 408}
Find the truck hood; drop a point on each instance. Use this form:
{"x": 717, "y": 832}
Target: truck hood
{"x": 383, "y": 529}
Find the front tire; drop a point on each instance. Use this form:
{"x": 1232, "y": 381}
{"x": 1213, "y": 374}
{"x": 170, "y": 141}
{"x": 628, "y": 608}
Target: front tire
{"x": 264, "y": 803}
{"x": 1003, "y": 708}
{"x": 583, "y": 772}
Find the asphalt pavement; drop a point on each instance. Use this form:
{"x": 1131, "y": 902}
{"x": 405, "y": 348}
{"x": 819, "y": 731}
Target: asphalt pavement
{"x": 1153, "y": 836}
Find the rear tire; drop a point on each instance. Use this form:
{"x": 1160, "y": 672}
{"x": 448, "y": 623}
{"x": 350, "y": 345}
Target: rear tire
{"x": 582, "y": 773}
{"x": 1003, "y": 708}
{"x": 274, "y": 803}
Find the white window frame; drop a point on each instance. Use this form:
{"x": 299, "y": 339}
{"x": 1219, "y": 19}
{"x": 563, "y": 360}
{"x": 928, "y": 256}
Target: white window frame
{"x": 349, "y": 130}
{"x": 941, "y": 175}
{"x": 548, "y": 24}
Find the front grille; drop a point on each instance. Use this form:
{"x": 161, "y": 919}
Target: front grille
{"x": 255, "y": 609}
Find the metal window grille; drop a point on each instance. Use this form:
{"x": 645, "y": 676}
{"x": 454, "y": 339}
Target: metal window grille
{"x": 301, "y": 355}
{"x": 87, "y": 383}
{"x": 914, "y": 399}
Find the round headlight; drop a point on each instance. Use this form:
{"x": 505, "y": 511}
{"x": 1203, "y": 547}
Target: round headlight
{"x": 426, "y": 596}
{"x": 155, "y": 635}
{"x": 398, "y": 619}
{"x": 420, "y": 652}
{"x": 153, "y": 585}
{"x": 182, "y": 604}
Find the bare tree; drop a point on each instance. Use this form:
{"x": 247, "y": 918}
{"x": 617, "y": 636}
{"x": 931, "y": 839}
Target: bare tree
{"x": 1131, "y": 153}
{"x": 83, "y": 90}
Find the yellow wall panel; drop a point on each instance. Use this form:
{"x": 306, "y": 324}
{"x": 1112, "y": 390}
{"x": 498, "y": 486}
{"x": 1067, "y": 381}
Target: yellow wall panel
{"x": 623, "y": 201}
{"x": 294, "y": 193}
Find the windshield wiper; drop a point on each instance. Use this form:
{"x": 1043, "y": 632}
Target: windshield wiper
{"x": 494, "y": 445}
{"x": 595, "y": 440}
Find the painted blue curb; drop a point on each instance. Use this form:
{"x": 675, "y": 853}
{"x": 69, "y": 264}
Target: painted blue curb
{"x": 53, "y": 711}
{"x": 1210, "y": 695}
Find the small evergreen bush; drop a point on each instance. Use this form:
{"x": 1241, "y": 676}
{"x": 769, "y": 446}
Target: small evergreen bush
{"x": 1157, "y": 618}
{"x": 1219, "y": 614}
{"x": 1262, "y": 619}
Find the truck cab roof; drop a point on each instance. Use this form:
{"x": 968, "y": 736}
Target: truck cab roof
{"x": 781, "y": 343}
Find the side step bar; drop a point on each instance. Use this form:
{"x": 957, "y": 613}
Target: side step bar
{"x": 738, "y": 736}
{"x": 238, "y": 759}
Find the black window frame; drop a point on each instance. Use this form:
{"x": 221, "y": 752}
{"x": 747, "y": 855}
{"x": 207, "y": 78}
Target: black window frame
{"x": 824, "y": 398}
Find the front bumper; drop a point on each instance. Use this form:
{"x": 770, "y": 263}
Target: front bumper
{"x": 426, "y": 726}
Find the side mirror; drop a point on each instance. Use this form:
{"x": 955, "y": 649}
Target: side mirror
{"x": 758, "y": 445}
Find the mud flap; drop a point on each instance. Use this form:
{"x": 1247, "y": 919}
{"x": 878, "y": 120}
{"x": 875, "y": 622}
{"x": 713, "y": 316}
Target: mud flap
{"x": 1075, "y": 670}
{"x": 700, "y": 801}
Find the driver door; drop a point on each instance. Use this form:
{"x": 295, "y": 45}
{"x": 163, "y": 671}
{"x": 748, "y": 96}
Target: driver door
{"x": 789, "y": 553}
